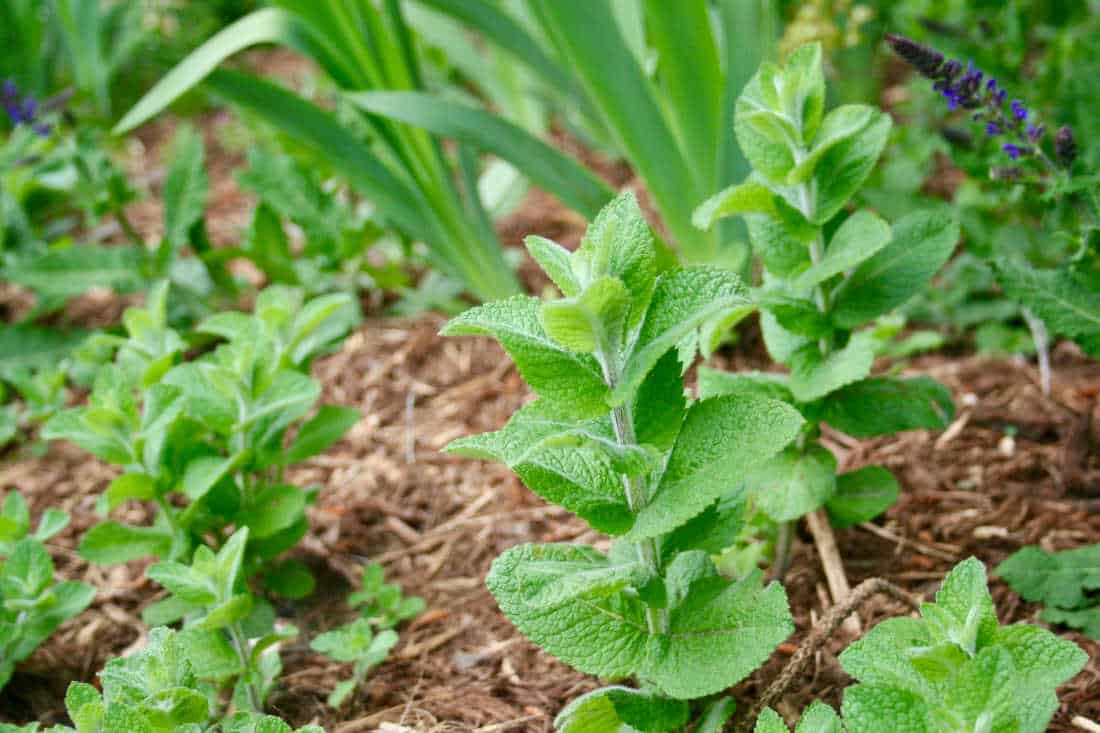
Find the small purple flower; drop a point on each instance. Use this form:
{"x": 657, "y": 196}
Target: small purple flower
{"x": 1035, "y": 132}
{"x": 1015, "y": 151}
{"x": 1019, "y": 111}
{"x": 24, "y": 109}
{"x": 992, "y": 128}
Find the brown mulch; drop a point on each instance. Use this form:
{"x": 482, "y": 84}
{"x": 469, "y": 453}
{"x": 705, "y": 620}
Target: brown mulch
{"x": 1014, "y": 468}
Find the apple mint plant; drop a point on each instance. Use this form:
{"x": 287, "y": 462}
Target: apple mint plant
{"x": 613, "y": 439}
{"x": 206, "y": 439}
{"x": 32, "y": 604}
{"x": 366, "y": 641}
{"x": 828, "y": 274}
{"x": 1064, "y": 582}
{"x": 954, "y": 669}
{"x": 159, "y": 689}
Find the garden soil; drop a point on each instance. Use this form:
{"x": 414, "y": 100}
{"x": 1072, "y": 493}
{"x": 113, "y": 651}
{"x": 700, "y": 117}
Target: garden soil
{"x": 1013, "y": 468}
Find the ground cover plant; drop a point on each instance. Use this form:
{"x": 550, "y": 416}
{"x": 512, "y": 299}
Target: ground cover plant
{"x": 211, "y": 430}
{"x": 827, "y": 276}
{"x": 953, "y": 669}
{"x": 32, "y": 603}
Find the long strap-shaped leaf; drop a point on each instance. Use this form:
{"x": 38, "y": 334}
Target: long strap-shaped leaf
{"x": 270, "y": 25}
{"x": 487, "y": 274}
{"x": 555, "y": 172}
{"x": 590, "y": 39}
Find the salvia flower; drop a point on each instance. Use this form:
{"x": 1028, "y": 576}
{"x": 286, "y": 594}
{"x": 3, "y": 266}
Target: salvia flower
{"x": 23, "y": 109}
{"x": 970, "y": 89}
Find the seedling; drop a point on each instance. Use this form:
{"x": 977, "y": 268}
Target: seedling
{"x": 827, "y": 276}
{"x": 367, "y": 641}
{"x": 613, "y": 439}
{"x": 213, "y": 431}
{"x": 32, "y": 604}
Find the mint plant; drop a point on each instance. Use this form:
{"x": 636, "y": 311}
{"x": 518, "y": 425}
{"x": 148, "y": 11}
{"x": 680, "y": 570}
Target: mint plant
{"x": 207, "y": 439}
{"x": 828, "y": 274}
{"x": 613, "y": 439}
{"x": 366, "y": 641}
{"x": 32, "y": 603}
{"x": 953, "y": 670}
{"x": 1064, "y": 582}
{"x": 158, "y": 690}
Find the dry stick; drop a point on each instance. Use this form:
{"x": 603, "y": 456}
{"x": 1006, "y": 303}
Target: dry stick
{"x": 825, "y": 541}
{"x": 1080, "y": 721}
{"x": 821, "y": 634}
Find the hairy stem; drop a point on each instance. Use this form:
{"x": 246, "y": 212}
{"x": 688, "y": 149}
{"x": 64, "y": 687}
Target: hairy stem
{"x": 817, "y": 638}
{"x": 636, "y": 497}
{"x": 240, "y": 645}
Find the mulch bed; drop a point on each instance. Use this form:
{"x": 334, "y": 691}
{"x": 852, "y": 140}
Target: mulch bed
{"x": 1014, "y": 468}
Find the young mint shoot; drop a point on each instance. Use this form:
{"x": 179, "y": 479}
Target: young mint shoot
{"x": 613, "y": 438}
{"x": 32, "y": 604}
{"x": 828, "y": 274}
{"x": 206, "y": 439}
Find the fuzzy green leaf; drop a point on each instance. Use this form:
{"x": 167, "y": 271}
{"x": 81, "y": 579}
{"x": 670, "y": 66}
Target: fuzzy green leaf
{"x": 814, "y": 376}
{"x": 1063, "y": 579}
{"x": 683, "y": 300}
{"x": 860, "y": 237}
{"x": 591, "y": 322}
{"x": 554, "y": 261}
{"x": 609, "y": 709}
{"x": 922, "y": 242}
{"x": 720, "y": 440}
{"x": 571, "y": 381}
{"x": 794, "y": 483}
{"x": 862, "y": 495}
{"x": 1067, "y": 305}
{"x": 844, "y": 167}
{"x": 887, "y": 405}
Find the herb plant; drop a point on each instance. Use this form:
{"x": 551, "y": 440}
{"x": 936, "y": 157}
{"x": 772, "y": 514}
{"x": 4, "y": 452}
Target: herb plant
{"x": 32, "y": 604}
{"x": 1058, "y": 297}
{"x": 159, "y": 689}
{"x": 206, "y": 440}
{"x": 827, "y": 275}
{"x": 366, "y": 641}
{"x": 613, "y": 439}
{"x": 1064, "y": 582}
{"x": 954, "y": 669}
{"x": 211, "y": 594}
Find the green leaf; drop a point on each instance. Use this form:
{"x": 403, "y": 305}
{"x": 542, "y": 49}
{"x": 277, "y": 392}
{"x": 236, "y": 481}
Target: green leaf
{"x": 887, "y": 405}
{"x": 660, "y": 405}
{"x": 111, "y": 542}
{"x": 721, "y": 437}
{"x": 263, "y": 26}
{"x": 860, "y": 237}
{"x": 61, "y": 273}
{"x": 608, "y": 709}
{"x": 185, "y": 187}
{"x": 274, "y": 508}
{"x": 814, "y": 376}
{"x": 922, "y": 242}
{"x": 840, "y": 125}
{"x": 92, "y": 431}
{"x": 819, "y": 718}
{"x": 30, "y": 347}
{"x": 128, "y": 486}
{"x": 714, "y": 383}
{"x": 184, "y": 582}
{"x": 291, "y": 579}
{"x": 591, "y": 322}
{"x": 547, "y": 168}
{"x": 1063, "y": 579}
{"x": 842, "y": 170}
{"x": 750, "y": 197}
{"x": 684, "y": 299}
{"x": 794, "y": 483}
{"x": 965, "y": 609}
{"x": 554, "y": 261}
{"x": 203, "y": 472}
{"x": 715, "y": 637}
{"x": 862, "y": 495}
{"x": 1066, "y": 305}
{"x": 1088, "y": 620}
{"x": 1042, "y": 659}
{"x": 321, "y": 432}
{"x": 571, "y": 381}
{"x": 868, "y": 709}
{"x": 770, "y": 722}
